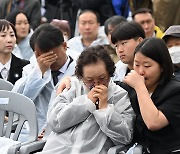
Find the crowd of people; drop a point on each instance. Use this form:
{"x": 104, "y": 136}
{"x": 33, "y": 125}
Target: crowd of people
{"x": 111, "y": 77}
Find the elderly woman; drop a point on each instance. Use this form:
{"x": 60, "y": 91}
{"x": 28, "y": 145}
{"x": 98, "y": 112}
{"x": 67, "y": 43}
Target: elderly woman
{"x": 94, "y": 114}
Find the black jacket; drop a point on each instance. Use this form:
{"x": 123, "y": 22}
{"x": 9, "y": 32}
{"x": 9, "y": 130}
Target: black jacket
{"x": 16, "y": 68}
{"x": 167, "y": 99}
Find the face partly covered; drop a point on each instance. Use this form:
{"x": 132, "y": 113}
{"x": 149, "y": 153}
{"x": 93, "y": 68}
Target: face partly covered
{"x": 95, "y": 74}
{"x": 149, "y": 69}
{"x": 59, "y": 53}
{"x": 7, "y": 40}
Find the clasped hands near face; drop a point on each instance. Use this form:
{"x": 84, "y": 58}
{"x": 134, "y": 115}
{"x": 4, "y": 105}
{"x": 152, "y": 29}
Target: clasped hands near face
{"x": 99, "y": 93}
{"x": 45, "y": 60}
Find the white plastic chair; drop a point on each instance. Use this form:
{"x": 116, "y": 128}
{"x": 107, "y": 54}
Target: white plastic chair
{"x": 5, "y": 85}
{"x": 15, "y": 103}
{"x": 37, "y": 145}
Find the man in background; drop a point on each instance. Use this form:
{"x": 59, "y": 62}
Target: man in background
{"x": 144, "y": 17}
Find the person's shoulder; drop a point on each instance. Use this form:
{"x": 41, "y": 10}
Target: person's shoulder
{"x": 116, "y": 87}
{"x": 74, "y": 39}
{"x": 21, "y": 61}
{"x": 120, "y": 71}
{"x": 76, "y": 84}
{"x": 174, "y": 83}
{"x": 171, "y": 88}
{"x": 120, "y": 64}
{"x": 75, "y": 42}
{"x": 159, "y": 32}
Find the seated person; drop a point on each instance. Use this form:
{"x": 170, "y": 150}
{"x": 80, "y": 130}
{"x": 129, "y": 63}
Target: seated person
{"x": 11, "y": 67}
{"x": 21, "y": 22}
{"x": 155, "y": 98}
{"x": 125, "y": 37}
{"x": 172, "y": 39}
{"x": 88, "y": 26}
{"x": 109, "y": 26}
{"x": 94, "y": 114}
{"x": 40, "y": 79}
{"x": 154, "y": 95}
{"x": 64, "y": 26}
{"x": 144, "y": 17}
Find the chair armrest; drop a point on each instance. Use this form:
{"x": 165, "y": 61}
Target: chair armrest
{"x": 32, "y": 147}
{"x": 138, "y": 149}
{"x": 118, "y": 148}
{"x": 14, "y": 148}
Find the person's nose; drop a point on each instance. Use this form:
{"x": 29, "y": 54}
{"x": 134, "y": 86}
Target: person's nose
{"x": 96, "y": 83}
{"x": 23, "y": 25}
{"x": 141, "y": 71}
{"x": 87, "y": 26}
{"x": 146, "y": 26}
{"x": 9, "y": 38}
{"x": 119, "y": 48}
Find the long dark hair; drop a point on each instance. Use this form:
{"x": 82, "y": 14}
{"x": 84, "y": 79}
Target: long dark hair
{"x": 157, "y": 50}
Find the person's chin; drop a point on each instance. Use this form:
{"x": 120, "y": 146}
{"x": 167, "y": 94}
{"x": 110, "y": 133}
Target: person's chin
{"x": 123, "y": 60}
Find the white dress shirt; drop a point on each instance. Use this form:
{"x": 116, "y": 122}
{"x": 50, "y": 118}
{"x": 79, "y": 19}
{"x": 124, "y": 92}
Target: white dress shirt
{"x": 75, "y": 45}
{"x": 4, "y": 69}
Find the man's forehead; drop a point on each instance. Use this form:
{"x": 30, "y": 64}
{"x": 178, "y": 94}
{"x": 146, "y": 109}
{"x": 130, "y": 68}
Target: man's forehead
{"x": 87, "y": 16}
{"x": 143, "y": 15}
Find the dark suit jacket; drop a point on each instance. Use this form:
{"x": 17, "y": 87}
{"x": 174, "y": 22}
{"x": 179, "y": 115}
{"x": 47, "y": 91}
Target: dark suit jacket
{"x": 31, "y": 7}
{"x": 15, "y": 71}
{"x": 167, "y": 99}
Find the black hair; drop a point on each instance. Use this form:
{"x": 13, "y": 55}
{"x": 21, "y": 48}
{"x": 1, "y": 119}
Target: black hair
{"x": 11, "y": 17}
{"x": 126, "y": 31}
{"x": 156, "y": 49}
{"x": 46, "y": 37}
{"x": 113, "y": 21}
{"x": 6, "y": 24}
{"x": 92, "y": 55}
{"x": 142, "y": 10}
{"x": 92, "y": 11}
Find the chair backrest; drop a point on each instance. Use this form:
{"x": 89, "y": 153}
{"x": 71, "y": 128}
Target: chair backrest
{"x": 5, "y": 85}
{"x": 15, "y": 103}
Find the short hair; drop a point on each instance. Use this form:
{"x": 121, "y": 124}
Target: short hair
{"x": 6, "y": 24}
{"x": 113, "y": 21}
{"x": 91, "y": 11}
{"x": 63, "y": 25}
{"x": 46, "y": 37}
{"x": 156, "y": 49}
{"x": 142, "y": 10}
{"x": 126, "y": 31}
{"x": 92, "y": 55}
